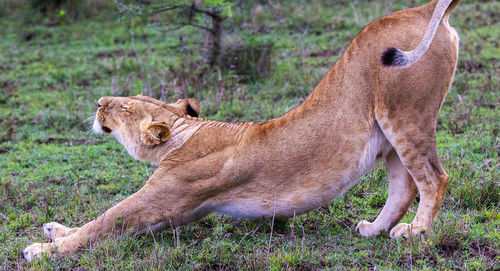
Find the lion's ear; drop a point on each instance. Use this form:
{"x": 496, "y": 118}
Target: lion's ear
{"x": 154, "y": 133}
{"x": 189, "y": 106}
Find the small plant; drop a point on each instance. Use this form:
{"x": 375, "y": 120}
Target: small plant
{"x": 172, "y": 15}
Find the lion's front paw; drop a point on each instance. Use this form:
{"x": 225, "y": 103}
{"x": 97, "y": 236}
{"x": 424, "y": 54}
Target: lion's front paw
{"x": 54, "y": 230}
{"x": 406, "y": 230}
{"x": 366, "y": 229}
{"x": 36, "y": 250}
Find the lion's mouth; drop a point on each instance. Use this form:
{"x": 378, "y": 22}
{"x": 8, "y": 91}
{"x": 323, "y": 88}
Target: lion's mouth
{"x": 99, "y": 128}
{"x": 106, "y": 130}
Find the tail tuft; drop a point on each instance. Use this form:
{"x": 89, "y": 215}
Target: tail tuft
{"x": 393, "y": 57}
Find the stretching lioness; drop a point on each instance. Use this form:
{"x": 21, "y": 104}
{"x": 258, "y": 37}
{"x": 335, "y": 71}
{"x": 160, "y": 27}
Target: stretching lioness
{"x": 376, "y": 103}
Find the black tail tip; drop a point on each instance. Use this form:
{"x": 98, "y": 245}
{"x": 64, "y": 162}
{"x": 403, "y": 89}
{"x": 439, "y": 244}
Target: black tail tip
{"x": 389, "y": 56}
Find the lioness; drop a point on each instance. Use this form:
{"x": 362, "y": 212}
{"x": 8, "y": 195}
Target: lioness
{"x": 376, "y": 103}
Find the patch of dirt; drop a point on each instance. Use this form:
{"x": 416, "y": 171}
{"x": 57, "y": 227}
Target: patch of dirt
{"x": 218, "y": 266}
{"x": 305, "y": 267}
{"x": 471, "y": 66}
{"x": 428, "y": 257}
{"x": 9, "y": 128}
{"x": 115, "y": 53}
{"x": 69, "y": 141}
{"x": 347, "y": 223}
{"x": 323, "y": 53}
{"x": 485, "y": 251}
{"x": 247, "y": 61}
{"x": 28, "y": 36}
{"x": 85, "y": 82}
{"x": 6, "y": 84}
{"x": 8, "y": 87}
{"x": 449, "y": 248}
{"x": 57, "y": 181}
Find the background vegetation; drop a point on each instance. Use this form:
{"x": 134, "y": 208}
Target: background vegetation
{"x": 58, "y": 57}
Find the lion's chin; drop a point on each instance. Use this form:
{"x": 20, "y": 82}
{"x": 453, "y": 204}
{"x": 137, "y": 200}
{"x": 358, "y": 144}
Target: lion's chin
{"x": 97, "y": 127}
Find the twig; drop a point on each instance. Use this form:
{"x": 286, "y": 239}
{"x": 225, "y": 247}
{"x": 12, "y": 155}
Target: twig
{"x": 164, "y": 91}
{"x": 302, "y": 48}
{"x": 411, "y": 262}
{"x": 272, "y": 225}
{"x": 220, "y": 86}
{"x": 251, "y": 232}
{"x": 155, "y": 11}
{"x": 115, "y": 87}
{"x": 271, "y": 234}
{"x": 132, "y": 43}
{"x": 181, "y": 26}
{"x": 122, "y": 229}
{"x": 152, "y": 234}
{"x": 178, "y": 235}
{"x": 202, "y": 27}
{"x": 175, "y": 235}
{"x": 147, "y": 88}
{"x": 192, "y": 7}
{"x": 146, "y": 168}
{"x": 273, "y": 11}
{"x": 165, "y": 30}
{"x": 303, "y": 238}
{"x": 126, "y": 8}
{"x": 345, "y": 225}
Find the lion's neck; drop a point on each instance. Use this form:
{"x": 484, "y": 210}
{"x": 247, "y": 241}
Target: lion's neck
{"x": 196, "y": 138}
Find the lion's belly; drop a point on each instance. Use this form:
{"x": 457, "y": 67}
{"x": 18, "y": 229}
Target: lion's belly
{"x": 303, "y": 192}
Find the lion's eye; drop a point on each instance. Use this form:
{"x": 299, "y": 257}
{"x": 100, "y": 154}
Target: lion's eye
{"x": 125, "y": 107}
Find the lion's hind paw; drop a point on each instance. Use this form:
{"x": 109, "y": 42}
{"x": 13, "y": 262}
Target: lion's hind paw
{"x": 406, "y": 230}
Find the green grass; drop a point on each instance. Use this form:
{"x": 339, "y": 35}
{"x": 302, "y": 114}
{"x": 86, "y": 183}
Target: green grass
{"x": 53, "y": 169}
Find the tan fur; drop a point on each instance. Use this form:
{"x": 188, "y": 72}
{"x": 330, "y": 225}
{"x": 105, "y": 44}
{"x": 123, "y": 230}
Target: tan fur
{"x": 360, "y": 112}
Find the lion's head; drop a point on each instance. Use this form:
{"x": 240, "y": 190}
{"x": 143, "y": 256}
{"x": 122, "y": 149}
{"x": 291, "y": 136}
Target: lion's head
{"x": 139, "y": 122}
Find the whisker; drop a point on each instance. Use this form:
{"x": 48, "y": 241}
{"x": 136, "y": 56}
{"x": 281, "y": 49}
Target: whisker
{"x": 88, "y": 123}
{"x": 88, "y": 120}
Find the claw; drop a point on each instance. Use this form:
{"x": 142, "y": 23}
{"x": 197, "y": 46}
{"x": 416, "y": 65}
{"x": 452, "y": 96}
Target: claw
{"x": 48, "y": 231}
{"x": 27, "y": 255}
{"x": 36, "y": 250}
{"x": 406, "y": 230}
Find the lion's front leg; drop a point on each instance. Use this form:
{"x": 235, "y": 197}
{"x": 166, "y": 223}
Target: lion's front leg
{"x": 153, "y": 204}
{"x": 54, "y": 230}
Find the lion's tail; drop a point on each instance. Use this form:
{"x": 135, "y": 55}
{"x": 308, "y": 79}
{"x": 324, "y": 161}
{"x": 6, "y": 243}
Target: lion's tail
{"x": 395, "y": 57}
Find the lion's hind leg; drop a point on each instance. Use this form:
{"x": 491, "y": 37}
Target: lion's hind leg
{"x": 416, "y": 147}
{"x": 432, "y": 183}
{"x": 402, "y": 191}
